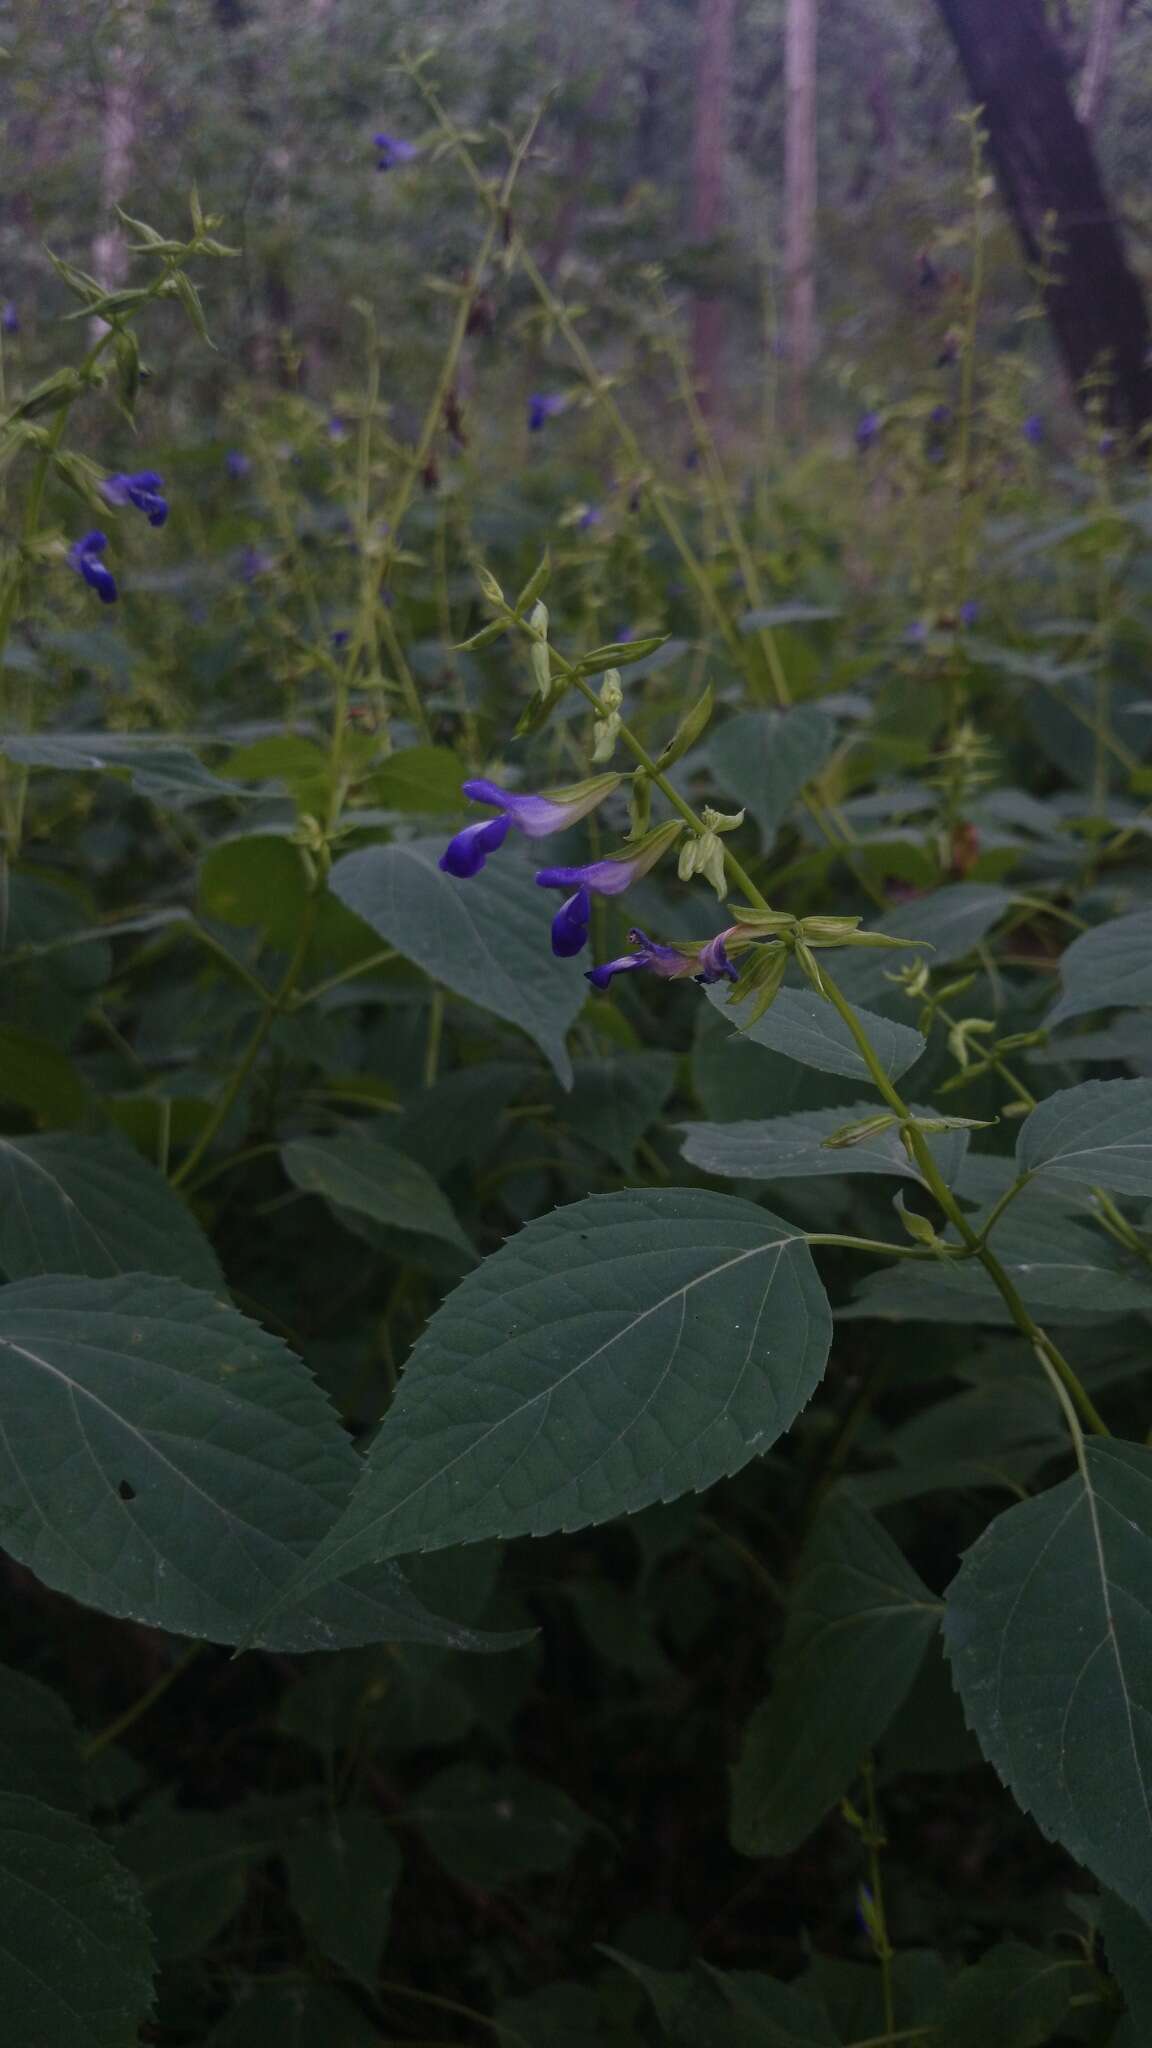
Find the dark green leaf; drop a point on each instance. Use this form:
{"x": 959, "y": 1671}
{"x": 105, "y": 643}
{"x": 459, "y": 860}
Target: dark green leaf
{"x": 39, "y": 1746}
{"x": 75, "y": 1951}
{"x": 342, "y": 1872}
{"x": 72, "y": 1204}
{"x": 423, "y": 779}
{"x": 165, "y": 1459}
{"x": 859, "y": 1623}
{"x": 486, "y": 939}
{"x": 490, "y": 1829}
{"x": 1128, "y": 1947}
{"x": 1049, "y": 1632}
{"x": 159, "y": 767}
{"x": 808, "y": 1029}
{"x": 793, "y": 1147}
{"x": 1014, "y": 1997}
{"x": 616, "y": 1097}
{"x": 1107, "y": 968}
{"x": 763, "y": 759}
{"x": 355, "y": 1171}
{"x": 1064, "y": 1270}
{"x": 619, "y": 1352}
{"x": 295, "y": 2016}
{"x": 1099, "y": 1134}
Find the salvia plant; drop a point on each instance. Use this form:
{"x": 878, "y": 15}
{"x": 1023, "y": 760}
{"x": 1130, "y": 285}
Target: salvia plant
{"x": 368, "y": 1202}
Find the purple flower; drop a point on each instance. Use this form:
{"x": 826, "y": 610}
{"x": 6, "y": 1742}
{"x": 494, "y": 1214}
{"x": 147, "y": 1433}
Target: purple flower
{"x": 706, "y": 963}
{"x": 1106, "y": 445}
{"x": 466, "y": 854}
{"x": 608, "y": 877}
{"x": 337, "y": 428}
{"x": 570, "y": 925}
{"x": 1033, "y": 430}
{"x": 84, "y": 556}
{"x": 867, "y": 428}
{"x": 10, "y": 318}
{"x": 390, "y": 151}
{"x": 237, "y": 464}
{"x": 143, "y": 489}
{"x": 940, "y": 415}
{"x": 253, "y": 563}
{"x": 542, "y": 406}
{"x": 534, "y": 815}
{"x": 969, "y": 612}
{"x": 589, "y": 517}
{"x": 340, "y": 638}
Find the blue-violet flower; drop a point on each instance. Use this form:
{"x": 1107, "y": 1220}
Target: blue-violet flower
{"x": 707, "y": 963}
{"x": 143, "y": 489}
{"x": 535, "y": 815}
{"x": 84, "y": 556}
{"x": 392, "y": 151}
{"x": 542, "y": 406}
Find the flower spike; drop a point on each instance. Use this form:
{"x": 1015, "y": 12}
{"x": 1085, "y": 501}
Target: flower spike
{"x": 84, "y": 556}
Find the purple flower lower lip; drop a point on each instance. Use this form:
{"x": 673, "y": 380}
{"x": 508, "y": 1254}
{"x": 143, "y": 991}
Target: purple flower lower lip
{"x": 84, "y": 556}
{"x": 570, "y": 925}
{"x": 466, "y": 854}
{"x": 707, "y": 964}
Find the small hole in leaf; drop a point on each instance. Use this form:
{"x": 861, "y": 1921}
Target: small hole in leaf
{"x": 125, "y": 1491}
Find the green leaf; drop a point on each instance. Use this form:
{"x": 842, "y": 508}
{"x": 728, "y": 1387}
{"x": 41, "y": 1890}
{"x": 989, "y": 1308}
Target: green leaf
{"x": 1063, "y": 1269}
{"x": 165, "y": 1459}
{"x": 418, "y": 779}
{"x": 859, "y": 1623}
{"x": 192, "y": 1869}
{"x": 299, "y": 765}
{"x": 40, "y": 1078}
{"x": 1108, "y": 968}
{"x": 485, "y": 939}
{"x": 707, "y": 2008}
{"x": 1014, "y": 1997}
{"x": 806, "y": 1028}
{"x": 616, "y": 1097}
{"x": 1049, "y": 1633}
{"x": 795, "y": 614}
{"x": 763, "y": 759}
{"x": 622, "y": 1351}
{"x": 156, "y": 766}
{"x": 793, "y": 1147}
{"x": 460, "y": 1118}
{"x": 1128, "y": 1947}
{"x": 950, "y": 923}
{"x": 75, "y": 1951}
{"x": 295, "y": 2016}
{"x": 1098, "y": 1134}
{"x": 492, "y": 1828}
{"x": 355, "y": 1171}
{"x": 73, "y": 1204}
{"x": 342, "y": 1871}
{"x": 258, "y": 880}
{"x": 39, "y": 1746}
{"x": 563, "y": 2015}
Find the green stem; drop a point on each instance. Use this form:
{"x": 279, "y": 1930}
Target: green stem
{"x": 922, "y": 1153}
{"x": 97, "y": 1744}
{"x": 875, "y": 1842}
{"x": 275, "y": 1005}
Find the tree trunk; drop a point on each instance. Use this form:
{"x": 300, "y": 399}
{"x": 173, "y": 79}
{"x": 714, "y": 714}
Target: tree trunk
{"x": 710, "y": 150}
{"x": 1098, "y": 62}
{"x": 800, "y": 195}
{"x": 109, "y": 248}
{"x": 1051, "y": 183}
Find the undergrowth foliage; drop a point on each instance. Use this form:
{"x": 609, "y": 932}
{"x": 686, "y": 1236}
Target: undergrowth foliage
{"x": 367, "y": 1201}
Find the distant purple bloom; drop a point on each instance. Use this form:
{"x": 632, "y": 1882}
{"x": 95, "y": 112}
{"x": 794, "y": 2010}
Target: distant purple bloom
{"x": 590, "y": 516}
{"x": 237, "y": 464}
{"x": 340, "y": 637}
{"x": 969, "y": 612}
{"x": 867, "y": 428}
{"x": 1033, "y": 430}
{"x": 144, "y": 489}
{"x": 692, "y": 459}
{"x": 1106, "y": 445}
{"x": 624, "y": 634}
{"x": 570, "y": 925}
{"x": 534, "y": 815}
{"x": 940, "y": 415}
{"x": 543, "y": 406}
{"x": 84, "y": 556}
{"x": 390, "y": 151}
{"x": 916, "y": 631}
{"x": 10, "y": 318}
{"x": 337, "y": 428}
{"x": 253, "y": 563}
